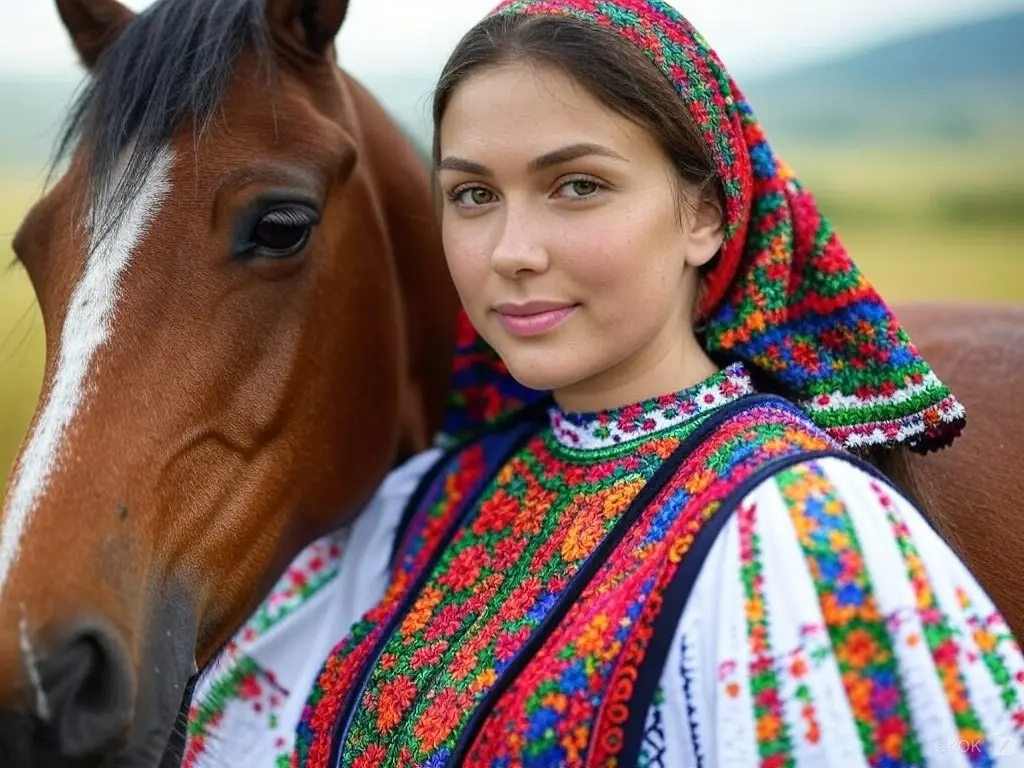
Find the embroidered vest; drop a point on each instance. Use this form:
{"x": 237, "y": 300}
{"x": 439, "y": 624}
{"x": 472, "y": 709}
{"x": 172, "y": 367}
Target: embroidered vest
{"x": 565, "y": 668}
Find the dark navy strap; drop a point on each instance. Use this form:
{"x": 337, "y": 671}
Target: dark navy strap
{"x": 436, "y": 469}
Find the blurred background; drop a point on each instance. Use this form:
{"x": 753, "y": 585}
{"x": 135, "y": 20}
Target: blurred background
{"x": 903, "y": 117}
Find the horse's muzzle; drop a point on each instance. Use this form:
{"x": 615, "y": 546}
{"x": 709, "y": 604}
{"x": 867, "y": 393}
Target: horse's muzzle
{"x": 83, "y": 695}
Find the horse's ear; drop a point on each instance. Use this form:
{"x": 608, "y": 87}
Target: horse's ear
{"x": 93, "y": 25}
{"x": 309, "y": 26}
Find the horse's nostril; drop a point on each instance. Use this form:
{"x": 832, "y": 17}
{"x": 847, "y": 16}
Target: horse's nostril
{"x": 88, "y": 684}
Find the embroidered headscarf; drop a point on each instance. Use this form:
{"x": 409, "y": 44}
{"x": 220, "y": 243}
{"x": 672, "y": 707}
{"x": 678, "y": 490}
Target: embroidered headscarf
{"x": 784, "y": 296}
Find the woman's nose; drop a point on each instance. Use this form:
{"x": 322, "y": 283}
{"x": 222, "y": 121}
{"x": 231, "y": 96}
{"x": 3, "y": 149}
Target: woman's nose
{"x": 519, "y": 248}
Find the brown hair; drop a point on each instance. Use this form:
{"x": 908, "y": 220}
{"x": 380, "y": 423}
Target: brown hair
{"x": 611, "y": 68}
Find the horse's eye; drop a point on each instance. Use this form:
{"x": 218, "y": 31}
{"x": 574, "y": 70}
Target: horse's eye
{"x": 282, "y": 232}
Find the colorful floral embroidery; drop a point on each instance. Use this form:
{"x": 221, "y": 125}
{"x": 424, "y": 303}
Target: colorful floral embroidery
{"x": 237, "y": 678}
{"x": 991, "y": 635}
{"x": 491, "y": 590}
{"x": 590, "y": 431}
{"x": 796, "y": 666}
{"x": 579, "y": 684}
{"x": 246, "y": 683}
{"x": 540, "y": 520}
{"x": 468, "y": 667}
{"x": 315, "y": 566}
{"x": 857, "y": 628}
{"x": 773, "y": 738}
{"x": 456, "y": 487}
{"x": 939, "y": 637}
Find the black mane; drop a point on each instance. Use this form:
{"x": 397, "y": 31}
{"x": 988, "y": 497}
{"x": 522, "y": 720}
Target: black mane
{"x": 170, "y": 64}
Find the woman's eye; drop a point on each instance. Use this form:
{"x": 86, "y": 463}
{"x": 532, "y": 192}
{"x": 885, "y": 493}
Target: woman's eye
{"x": 473, "y": 196}
{"x": 581, "y": 187}
{"x": 282, "y": 232}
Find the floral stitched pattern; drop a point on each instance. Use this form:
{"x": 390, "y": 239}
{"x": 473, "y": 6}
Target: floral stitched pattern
{"x": 795, "y": 666}
{"x": 773, "y": 738}
{"x": 246, "y": 683}
{"x": 237, "y": 678}
{"x": 451, "y": 490}
{"x": 496, "y": 582}
{"x": 617, "y": 476}
{"x": 991, "y": 635}
{"x": 860, "y": 640}
{"x": 573, "y": 703}
{"x": 306, "y": 576}
{"x": 939, "y": 637}
{"x": 589, "y": 431}
{"x": 509, "y": 566}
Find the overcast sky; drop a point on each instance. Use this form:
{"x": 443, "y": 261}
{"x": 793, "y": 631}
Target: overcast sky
{"x": 389, "y": 36}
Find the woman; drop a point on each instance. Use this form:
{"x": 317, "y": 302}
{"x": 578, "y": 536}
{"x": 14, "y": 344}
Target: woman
{"x": 649, "y": 541}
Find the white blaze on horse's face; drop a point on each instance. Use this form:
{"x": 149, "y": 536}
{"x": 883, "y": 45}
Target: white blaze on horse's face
{"x": 87, "y": 327}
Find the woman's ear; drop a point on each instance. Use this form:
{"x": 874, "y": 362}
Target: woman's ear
{"x": 707, "y": 233}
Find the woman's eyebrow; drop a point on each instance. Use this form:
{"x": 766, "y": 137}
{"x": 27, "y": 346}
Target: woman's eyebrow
{"x": 547, "y": 160}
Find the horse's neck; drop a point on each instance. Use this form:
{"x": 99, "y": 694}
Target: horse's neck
{"x": 429, "y": 301}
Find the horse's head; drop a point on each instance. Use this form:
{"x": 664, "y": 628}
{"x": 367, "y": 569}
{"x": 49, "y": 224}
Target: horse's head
{"x": 247, "y": 318}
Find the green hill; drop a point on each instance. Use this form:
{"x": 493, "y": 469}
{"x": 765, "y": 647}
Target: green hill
{"x": 963, "y": 82}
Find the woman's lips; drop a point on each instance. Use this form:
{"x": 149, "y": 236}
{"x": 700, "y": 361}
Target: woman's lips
{"x": 533, "y": 318}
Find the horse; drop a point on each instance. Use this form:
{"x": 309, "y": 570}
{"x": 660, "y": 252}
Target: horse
{"x": 249, "y": 321}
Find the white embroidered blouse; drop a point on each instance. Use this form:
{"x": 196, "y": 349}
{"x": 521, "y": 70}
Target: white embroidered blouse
{"x": 887, "y": 654}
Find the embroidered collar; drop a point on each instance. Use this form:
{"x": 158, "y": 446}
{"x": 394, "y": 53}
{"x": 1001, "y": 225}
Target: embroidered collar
{"x": 603, "y": 429}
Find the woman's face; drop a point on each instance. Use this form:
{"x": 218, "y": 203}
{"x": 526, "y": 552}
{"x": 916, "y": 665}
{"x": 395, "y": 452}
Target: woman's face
{"x": 566, "y": 236}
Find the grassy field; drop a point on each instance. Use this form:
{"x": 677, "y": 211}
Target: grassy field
{"x": 923, "y": 223}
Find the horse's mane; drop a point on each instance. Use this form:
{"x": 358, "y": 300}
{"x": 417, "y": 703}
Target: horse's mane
{"x": 170, "y": 65}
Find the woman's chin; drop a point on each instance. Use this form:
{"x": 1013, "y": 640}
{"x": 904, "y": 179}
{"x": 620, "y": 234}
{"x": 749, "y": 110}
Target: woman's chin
{"x": 544, "y": 372}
